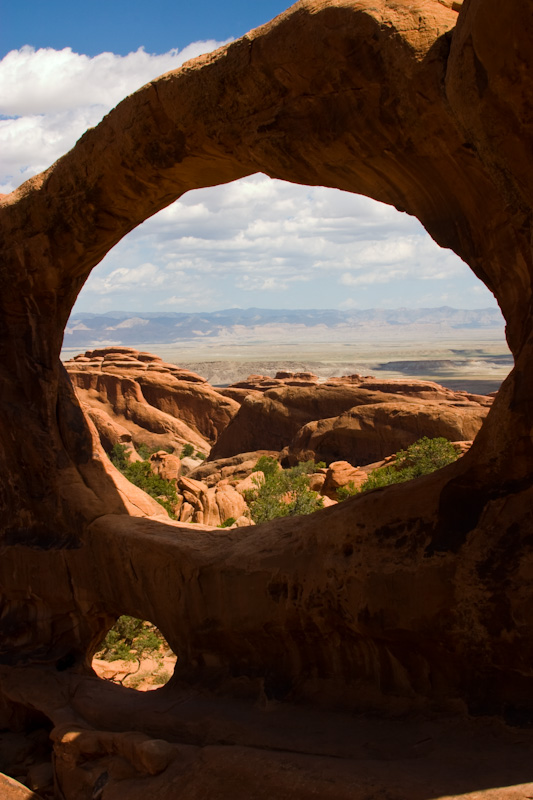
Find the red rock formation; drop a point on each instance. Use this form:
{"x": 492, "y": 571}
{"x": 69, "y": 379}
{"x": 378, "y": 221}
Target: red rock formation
{"x": 235, "y": 468}
{"x": 209, "y": 505}
{"x": 408, "y": 597}
{"x": 345, "y": 421}
{"x": 165, "y": 465}
{"x": 141, "y": 392}
{"x": 270, "y": 420}
{"x": 261, "y": 383}
{"x": 369, "y": 433}
{"x": 110, "y": 431}
{"x": 341, "y": 473}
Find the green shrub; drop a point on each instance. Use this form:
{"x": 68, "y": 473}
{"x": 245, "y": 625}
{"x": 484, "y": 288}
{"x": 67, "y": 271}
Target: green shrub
{"x": 140, "y": 474}
{"x": 267, "y": 465}
{"x": 424, "y": 456}
{"x": 144, "y": 451}
{"x": 283, "y": 493}
{"x": 130, "y": 639}
{"x": 187, "y": 450}
{"x": 118, "y": 456}
{"x": 349, "y": 490}
{"x": 201, "y": 455}
{"x": 228, "y": 522}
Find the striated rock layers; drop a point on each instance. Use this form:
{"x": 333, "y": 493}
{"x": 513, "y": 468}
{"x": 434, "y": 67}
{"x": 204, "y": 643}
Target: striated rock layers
{"x": 158, "y": 403}
{"x": 413, "y": 596}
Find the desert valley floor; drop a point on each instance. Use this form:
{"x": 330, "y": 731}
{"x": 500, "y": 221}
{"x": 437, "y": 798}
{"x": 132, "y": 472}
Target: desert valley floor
{"x": 477, "y": 361}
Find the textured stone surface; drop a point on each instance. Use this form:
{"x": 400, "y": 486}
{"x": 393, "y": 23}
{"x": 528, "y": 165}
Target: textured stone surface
{"x": 142, "y": 391}
{"x": 370, "y": 433}
{"x": 341, "y": 473}
{"x": 13, "y": 790}
{"x": 359, "y": 422}
{"x": 411, "y": 597}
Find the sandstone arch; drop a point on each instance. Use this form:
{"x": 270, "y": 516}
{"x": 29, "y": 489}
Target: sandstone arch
{"x": 416, "y": 595}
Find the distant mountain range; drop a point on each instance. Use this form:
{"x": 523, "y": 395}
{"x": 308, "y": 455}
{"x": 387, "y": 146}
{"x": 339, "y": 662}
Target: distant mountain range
{"x": 86, "y": 330}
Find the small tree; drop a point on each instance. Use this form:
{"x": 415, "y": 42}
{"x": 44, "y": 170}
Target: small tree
{"x": 283, "y": 493}
{"x": 131, "y": 638}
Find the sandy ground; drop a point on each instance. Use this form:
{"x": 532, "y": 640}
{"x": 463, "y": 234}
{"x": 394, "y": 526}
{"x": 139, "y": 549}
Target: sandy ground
{"x": 144, "y": 675}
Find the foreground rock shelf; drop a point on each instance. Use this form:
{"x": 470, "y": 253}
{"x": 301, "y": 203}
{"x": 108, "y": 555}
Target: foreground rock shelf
{"x": 194, "y": 746}
{"x": 410, "y": 599}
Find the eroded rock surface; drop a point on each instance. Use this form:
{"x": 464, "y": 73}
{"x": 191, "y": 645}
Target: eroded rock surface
{"x": 157, "y": 402}
{"x": 353, "y": 419}
{"x": 411, "y": 597}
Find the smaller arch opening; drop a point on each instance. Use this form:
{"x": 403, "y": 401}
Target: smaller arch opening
{"x": 135, "y": 654}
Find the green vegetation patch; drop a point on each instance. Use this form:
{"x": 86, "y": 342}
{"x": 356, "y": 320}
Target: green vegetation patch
{"x": 140, "y": 474}
{"x": 284, "y": 493}
{"x": 421, "y": 458}
{"x": 131, "y": 639}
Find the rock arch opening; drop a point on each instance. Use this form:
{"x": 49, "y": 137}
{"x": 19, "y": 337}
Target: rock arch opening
{"x": 358, "y": 242}
{"x": 134, "y": 653}
{"x": 259, "y": 243}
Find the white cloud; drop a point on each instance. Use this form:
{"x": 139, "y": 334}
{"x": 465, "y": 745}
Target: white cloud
{"x": 145, "y": 276}
{"x": 46, "y": 81}
{"x": 382, "y": 276}
{"x": 53, "y": 96}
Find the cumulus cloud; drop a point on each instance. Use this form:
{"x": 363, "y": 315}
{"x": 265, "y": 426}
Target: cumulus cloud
{"x": 46, "y": 81}
{"x": 144, "y": 276}
{"x": 260, "y": 241}
{"x": 48, "y": 99}
{"x": 253, "y": 242}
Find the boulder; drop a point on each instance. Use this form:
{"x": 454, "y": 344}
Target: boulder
{"x": 341, "y": 473}
{"x": 316, "y": 481}
{"x": 166, "y": 465}
{"x": 235, "y": 467}
{"x": 230, "y": 503}
{"x": 251, "y": 483}
{"x": 369, "y": 433}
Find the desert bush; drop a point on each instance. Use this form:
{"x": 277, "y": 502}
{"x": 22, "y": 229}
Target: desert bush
{"x": 424, "y": 456}
{"x": 144, "y": 451}
{"x": 131, "y": 639}
{"x": 140, "y": 474}
{"x": 187, "y": 450}
{"x": 118, "y": 456}
{"x": 267, "y": 465}
{"x": 228, "y": 522}
{"x": 349, "y": 490}
{"x": 284, "y": 493}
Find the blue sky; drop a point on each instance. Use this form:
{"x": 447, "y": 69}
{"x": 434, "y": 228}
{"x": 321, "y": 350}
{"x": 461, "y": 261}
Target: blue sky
{"x": 257, "y": 242}
{"x": 122, "y": 26}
